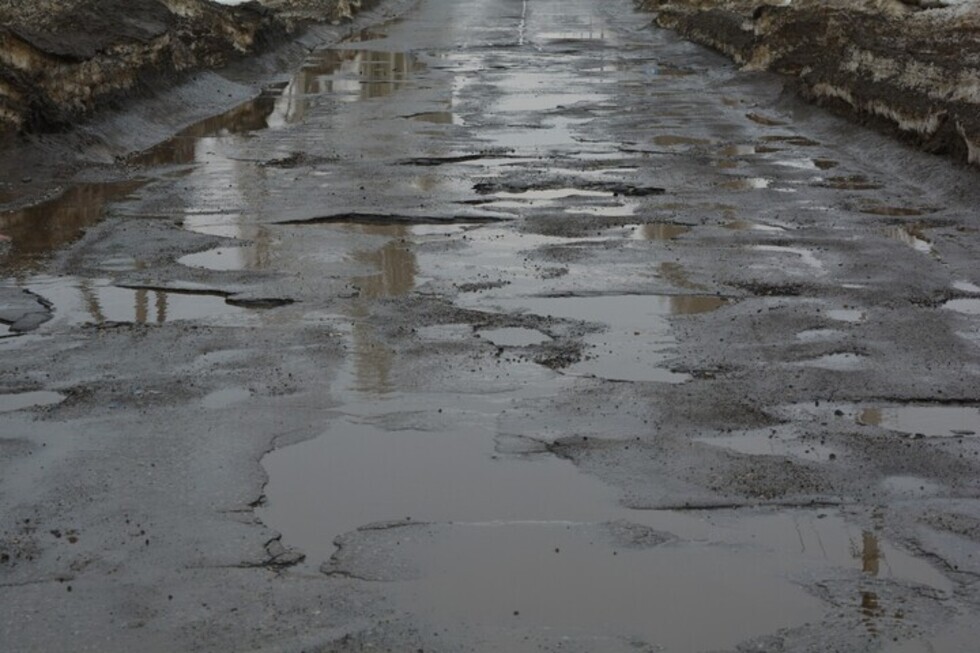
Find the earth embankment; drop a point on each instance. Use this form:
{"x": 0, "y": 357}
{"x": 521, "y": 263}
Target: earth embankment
{"x": 61, "y": 61}
{"x": 911, "y": 68}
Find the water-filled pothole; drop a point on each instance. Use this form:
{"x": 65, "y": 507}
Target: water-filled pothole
{"x": 628, "y": 584}
{"x": 661, "y": 231}
{"x": 840, "y": 362}
{"x": 32, "y": 233}
{"x": 22, "y": 400}
{"x": 514, "y": 337}
{"x": 637, "y": 340}
{"x": 78, "y": 301}
{"x": 966, "y": 305}
{"x": 930, "y": 421}
{"x": 913, "y": 236}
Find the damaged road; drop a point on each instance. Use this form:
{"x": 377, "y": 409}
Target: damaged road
{"x": 503, "y": 326}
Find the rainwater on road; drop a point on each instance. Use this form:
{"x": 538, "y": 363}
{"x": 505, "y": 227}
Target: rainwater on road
{"x": 618, "y": 366}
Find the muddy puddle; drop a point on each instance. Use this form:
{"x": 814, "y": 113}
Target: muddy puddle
{"x": 514, "y": 337}
{"x": 772, "y": 442}
{"x": 344, "y": 73}
{"x": 850, "y": 315}
{"x": 29, "y": 235}
{"x": 966, "y": 286}
{"x": 660, "y": 231}
{"x": 248, "y": 257}
{"x": 746, "y": 183}
{"x": 78, "y": 301}
{"x": 913, "y": 236}
{"x": 636, "y": 340}
{"x": 805, "y": 256}
{"x": 930, "y": 421}
{"x": 628, "y": 585}
{"x": 967, "y": 306}
{"x": 24, "y": 400}
{"x": 840, "y": 362}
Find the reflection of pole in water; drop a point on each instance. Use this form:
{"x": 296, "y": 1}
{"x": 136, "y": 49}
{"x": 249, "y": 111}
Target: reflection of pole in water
{"x": 91, "y": 299}
{"x": 870, "y": 564}
{"x": 870, "y": 553}
{"x": 396, "y": 267}
{"x": 161, "y": 305}
{"x": 142, "y": 305}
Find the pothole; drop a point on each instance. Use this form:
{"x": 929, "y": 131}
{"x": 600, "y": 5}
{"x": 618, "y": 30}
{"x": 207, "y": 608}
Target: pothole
{"x": 514, "y": 337}
{"x": 23, "y": 400}
{"x": 966, "y": 305}
{"x": 661, "y": 231}
{"x": 79, "y": 301}
{"x": 637, "y": 340}
{"x": 913, "y": 236}
{"x": 929, "y": 421}
{"x": 841, "y": 362}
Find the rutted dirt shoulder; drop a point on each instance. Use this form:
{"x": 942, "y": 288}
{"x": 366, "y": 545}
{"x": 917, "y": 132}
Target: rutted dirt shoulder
{"x": 910, "y": 70}
{"x": 60, "y": 61}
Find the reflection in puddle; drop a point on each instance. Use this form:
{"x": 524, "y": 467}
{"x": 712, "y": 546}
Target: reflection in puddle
{"x": 746, "y": 183}
{"x": 913, "y": 236}
{"x": 349, "y": 75}
{"x": 675, "y": 274}
{"x": 40, "y": 229}
{"x": 437, "y": 118}
{"x": 819, "y": 335}
{"x": 931, "y": 421}
{"x": 851, "y": 315}
{"x": 805, "y": 255}
{"x": 575, "y": 578}
{"x": 225, "y": 398}
{"x": 372, "y": 359}
{"x": 660, "y": 231}
{"x": 748, "y": 225}
{"x": 966, "y": 286}
{"x": 79, "y": 301}
{"x": 185, "y": 147}
{"x": 770, "y": 443}
{"x": 551, "y": 194}
{"x": 638, "y": 338}
{"x": 799, "y": 164}
{"x": 636, "y": 579}
{"x": 610, "y": 211}
{"x": 514, "y": 337}
{"x": 356, "y": 474}
{"x": 896, "y": 211}
{"x": 22, "y": 400}
{"x": 843, "y": 361}
{"x": 965, "y": 305}
{"x": 249, "y": 257}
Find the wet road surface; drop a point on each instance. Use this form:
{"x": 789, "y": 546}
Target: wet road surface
{"x": 505, "y": 326}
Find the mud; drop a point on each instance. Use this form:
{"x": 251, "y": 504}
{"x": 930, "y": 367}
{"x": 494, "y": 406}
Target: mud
{"x": 474, "y": 332}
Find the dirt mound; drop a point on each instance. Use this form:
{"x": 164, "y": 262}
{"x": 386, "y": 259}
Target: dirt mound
{"x": 911, "y": 67}
{"x": 60, "y": 60}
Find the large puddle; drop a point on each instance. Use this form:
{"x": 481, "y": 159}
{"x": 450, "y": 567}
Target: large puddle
{"x": 80, "y": 301}
{"x": 621, "y": 582}
{"x": 636, "y": 339}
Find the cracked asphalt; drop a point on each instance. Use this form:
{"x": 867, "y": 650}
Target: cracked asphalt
{"x": 500, "y": 326}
